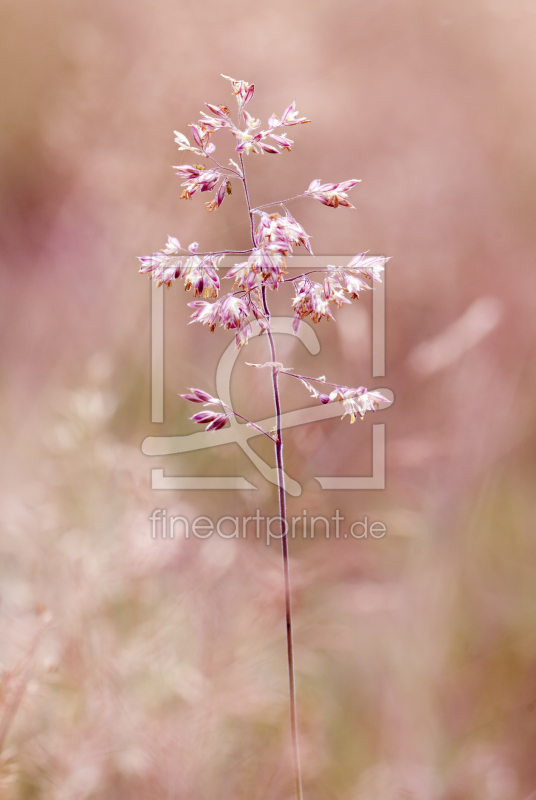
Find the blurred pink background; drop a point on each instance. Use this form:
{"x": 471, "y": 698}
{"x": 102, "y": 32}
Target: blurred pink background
{"x": 138, "y": 668}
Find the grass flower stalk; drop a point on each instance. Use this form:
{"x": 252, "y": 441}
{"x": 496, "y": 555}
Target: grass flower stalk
{"x": 274, "y": 237}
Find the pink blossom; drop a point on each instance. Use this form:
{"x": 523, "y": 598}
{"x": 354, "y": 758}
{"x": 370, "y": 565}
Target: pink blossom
{"x": 356, "y": 402}
{"x": 249, "y": 142}
{"x": 220, "y": 195}
{"x": 268, "y": 148}
{"x": 251, "y": 122}
{"x": 197, "y": 180}
{"x": 172, "y": 247}
{"x": 184, "y": 144}
{"x": 331, "y": 194}
{"x": 219, "y": 422}
{"x": 370, "y": 266}
{"x": 262, "y": 265}
{"x": 209, "y": 123}
{"x": 201, "y": 276}
{"x": 201, "y": 134}
{"x": 215, "y": 420}
{"x": 230, "y": 312}
{"x": 354, "y": 285}
{"x": 281, "y": 232}
{"x": 199, "y": 396}
{"x": 245, "y": 333}
{"x": 220, "y": 111}
{"x": 313, "y": 299}
{"x": 162, "y": 268}
{"x": 242, "y": 90}
{"x": 204, "y": 416}
{"x": 282, "y": 141}
{"x": 290, "y": 116}
{"x": 333, "y": 291}
{"x": 310, "y": 300}
{"x": 245, "y": 277}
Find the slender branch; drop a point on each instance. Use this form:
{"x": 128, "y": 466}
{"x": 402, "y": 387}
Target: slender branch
{"x": 303, "y": 275}
{"x": 284, "y": 552}
{"x": 317, "y": 380}
{"x": 216, "y": 253}
{"x": 249, "y": 422}
{"x": 244, "y": 181}
{"x": 279, "y": 202}
{"x": 230, "y": 169}
{"x": 224, "y": 252}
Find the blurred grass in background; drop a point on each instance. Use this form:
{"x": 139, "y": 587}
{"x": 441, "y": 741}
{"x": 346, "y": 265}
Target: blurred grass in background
{"x": 141, "y": 669}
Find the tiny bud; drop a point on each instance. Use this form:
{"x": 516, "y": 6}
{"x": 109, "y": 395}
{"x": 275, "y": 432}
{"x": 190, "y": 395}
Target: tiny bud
{"x": 197, "y": 135}
{"x": 191, "y": 397}
{"x": 204, "y": 416}
{"x": 198, "y": 396}
{"x": 267, "y": 148}
{"x": 204, "y": 397}
{"x": 324, "y": 398}
{"x": 219, "y": 421}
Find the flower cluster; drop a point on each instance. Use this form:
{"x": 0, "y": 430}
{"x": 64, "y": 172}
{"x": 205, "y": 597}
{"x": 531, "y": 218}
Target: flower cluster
{"x": 217, "y": 419}
{"x": 198, "y": 179}
{"x": 214, "y": 419}
{"x": 280, "y": 233}
{"x": 356, "y": 402}
{"x": 161, "y": 267}
{"x": 248, "y": 139}
{"x": 232, "y": 313}
{"x": 274, "y": 237}
{"x": 261, "y": 267}
{"x": 250, "y": 142}
{"x": 332, "y": 194}
{"x": 313, "y": 299}
{"x": 369, "y": 266}
{"x": 200, "y": 274}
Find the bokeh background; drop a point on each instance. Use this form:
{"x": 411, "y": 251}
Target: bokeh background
{"x": 143, "y": 669}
